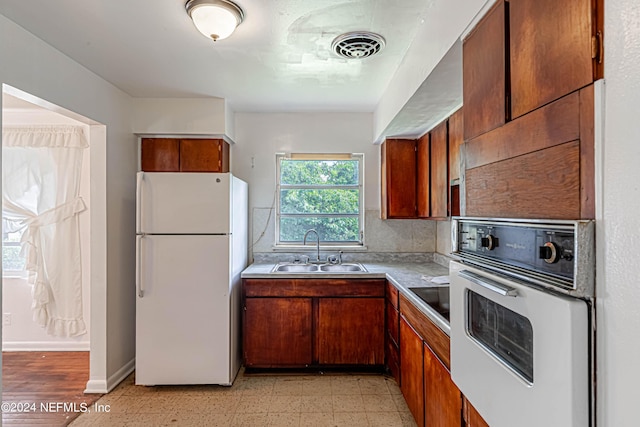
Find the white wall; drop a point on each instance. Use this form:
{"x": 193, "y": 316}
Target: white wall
{"x": 259, "y": 136}
{"x": 24, "y": 334}
{"x": 618, "y": 222}
{"x": 433, "y": 39}
{"x": 179, "y": 116}
{"x": 29, "y": 64}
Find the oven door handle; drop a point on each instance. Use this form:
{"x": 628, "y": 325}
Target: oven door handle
{"x": 489, "y": 284}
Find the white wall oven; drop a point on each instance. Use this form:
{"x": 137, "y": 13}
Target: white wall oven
{"x": 521, "y": 320}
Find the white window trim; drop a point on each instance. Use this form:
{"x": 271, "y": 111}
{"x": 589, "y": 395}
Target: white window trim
{"x": 298, "y": 247}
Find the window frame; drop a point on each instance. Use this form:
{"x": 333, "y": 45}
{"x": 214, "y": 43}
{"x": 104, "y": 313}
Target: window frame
{"x": 354, "y": 245}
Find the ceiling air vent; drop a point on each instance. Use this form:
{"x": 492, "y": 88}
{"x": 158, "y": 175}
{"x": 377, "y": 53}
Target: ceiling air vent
{"x": 357, "y": 44}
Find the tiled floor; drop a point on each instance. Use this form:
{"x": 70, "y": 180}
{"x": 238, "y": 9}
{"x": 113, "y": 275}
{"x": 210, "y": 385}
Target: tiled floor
{"x": 258, "y": 400}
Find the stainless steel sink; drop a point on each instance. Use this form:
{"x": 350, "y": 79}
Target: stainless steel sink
{"x": 296, "y": 268}
{"x": 318, "y": 268}
{"x": 342, "y": 267}
{"x": 436, "y": 297}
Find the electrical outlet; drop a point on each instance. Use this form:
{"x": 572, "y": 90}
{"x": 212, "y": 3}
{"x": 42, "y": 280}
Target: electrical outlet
{"x": 6, "y": 319}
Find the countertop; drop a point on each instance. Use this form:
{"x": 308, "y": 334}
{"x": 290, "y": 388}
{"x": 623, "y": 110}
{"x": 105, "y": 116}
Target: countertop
{"x": 403, "y": 276}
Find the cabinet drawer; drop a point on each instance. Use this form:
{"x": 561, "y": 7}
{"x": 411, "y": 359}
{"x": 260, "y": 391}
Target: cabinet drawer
{"x": 392, "y": 323}
{"x": 314, "y": 287}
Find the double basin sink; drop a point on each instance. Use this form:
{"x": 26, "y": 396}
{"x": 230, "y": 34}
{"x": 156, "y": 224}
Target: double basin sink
{"x": 319, "y": 268}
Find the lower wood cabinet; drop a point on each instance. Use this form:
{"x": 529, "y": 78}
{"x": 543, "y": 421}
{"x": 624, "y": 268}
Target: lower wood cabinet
{"x": 472, "y": 418}
{"x": 443, "y": 401}
{"x": 412, "y": 370}
{"x": 291, "y": 323}
{"x": 278, "y": 331}
{"x": 426, "y": 384}
{"x": 350, "y": 331}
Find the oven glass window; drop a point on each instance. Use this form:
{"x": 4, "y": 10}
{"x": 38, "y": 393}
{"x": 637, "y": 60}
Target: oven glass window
{"x": 506, "y": 334}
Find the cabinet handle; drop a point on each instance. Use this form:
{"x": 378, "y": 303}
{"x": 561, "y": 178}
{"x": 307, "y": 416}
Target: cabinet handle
{"x": 597, "y": 47}
{"x": 139, "y": 179}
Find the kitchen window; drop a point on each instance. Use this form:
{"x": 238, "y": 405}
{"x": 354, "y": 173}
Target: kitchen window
{"x": 323, "y": 192}
{"x": 12, "y": 263}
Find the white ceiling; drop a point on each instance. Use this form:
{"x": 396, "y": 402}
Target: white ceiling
{"x": 278, "y": 59}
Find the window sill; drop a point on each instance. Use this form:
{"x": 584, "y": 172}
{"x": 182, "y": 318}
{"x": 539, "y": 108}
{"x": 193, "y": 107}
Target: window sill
{"x": 307, "y": 248}
{"x": 14, "y": 275}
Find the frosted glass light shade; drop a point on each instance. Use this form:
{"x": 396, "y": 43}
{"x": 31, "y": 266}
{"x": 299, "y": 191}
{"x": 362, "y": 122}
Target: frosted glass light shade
{"x": 215, "y": 19}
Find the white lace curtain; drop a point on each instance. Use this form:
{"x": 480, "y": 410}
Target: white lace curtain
{"x": 41, "y": 169}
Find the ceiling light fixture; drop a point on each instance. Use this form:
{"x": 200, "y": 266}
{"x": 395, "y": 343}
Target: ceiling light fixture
{"x": 215, "y": 19}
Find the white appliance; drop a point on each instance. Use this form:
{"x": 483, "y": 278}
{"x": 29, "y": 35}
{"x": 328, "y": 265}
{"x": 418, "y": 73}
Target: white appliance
{"x": 521, "y": 314}
{"x": 191, "y": 246}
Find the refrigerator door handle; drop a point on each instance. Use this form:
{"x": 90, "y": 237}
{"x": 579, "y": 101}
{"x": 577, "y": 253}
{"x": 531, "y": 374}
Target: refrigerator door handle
{"x": 138, "y": 265}
{"x": 139, "y": 179}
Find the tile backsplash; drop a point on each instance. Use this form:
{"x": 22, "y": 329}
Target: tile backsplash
{"x": 404, "y": 239}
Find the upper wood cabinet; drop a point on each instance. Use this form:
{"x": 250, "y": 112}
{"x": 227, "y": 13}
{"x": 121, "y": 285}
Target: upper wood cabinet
{"x": 398, "y": 178}
{"x": 439, "y": 171}
{"x": 456, "y": 139}
{"x": 160, "y": 155}
{"x": 538, "y": 163}
{"x": 184, "y": 155}
{"x": 553, "y": 49}
{"x": 484, "y": 84}
{"x": 415, "y": 174}
{"x": 538, "y": 166}
{"x": 423, "y": 176}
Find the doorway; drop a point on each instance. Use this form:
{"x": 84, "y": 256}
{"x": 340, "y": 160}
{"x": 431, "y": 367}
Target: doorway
{"x": 21, "y": 336}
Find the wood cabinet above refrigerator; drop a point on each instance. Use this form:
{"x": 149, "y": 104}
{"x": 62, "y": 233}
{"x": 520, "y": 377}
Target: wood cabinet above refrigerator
{"x": 184, "y": 155}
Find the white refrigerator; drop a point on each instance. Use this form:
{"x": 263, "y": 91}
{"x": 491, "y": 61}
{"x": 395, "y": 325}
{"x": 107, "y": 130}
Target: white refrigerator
{"x": 191, "y": 246}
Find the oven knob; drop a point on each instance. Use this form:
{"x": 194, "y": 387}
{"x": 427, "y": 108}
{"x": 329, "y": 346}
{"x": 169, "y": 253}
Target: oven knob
{"x": 550, "y": 253}
{"x": 490, "y": 242}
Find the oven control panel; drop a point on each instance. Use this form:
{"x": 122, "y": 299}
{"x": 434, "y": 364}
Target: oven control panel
{"x": 536, "y": 248}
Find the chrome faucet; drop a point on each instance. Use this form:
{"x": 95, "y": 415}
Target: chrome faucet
{"x": 304, "y": 241}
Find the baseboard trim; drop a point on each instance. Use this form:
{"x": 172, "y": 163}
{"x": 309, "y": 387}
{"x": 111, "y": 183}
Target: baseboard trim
{"x": 45, "y": 346}
{"x": 105, "y": 386}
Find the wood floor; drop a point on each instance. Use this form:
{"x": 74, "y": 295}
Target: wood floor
{"x": 44, "y": 388}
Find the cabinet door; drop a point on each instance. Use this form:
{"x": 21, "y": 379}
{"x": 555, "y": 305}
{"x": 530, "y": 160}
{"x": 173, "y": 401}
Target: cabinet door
{"x": 350, "y": 331}
{"x": 202, "y": 155}
{"x": 398, "y": 178}
{"x": 392, "y": 336}
{"x": 484, "y": 74}
{"x": 439, "y": 171}
{"x": 277, "y": 332}
{"x": 423, "y": 177}
{"x": 456, "y": 139}
{"x": 550, "y": 50}
{"x": 160, "y": 155}
{"x": 443, "y": 401}
{"x": 471, "y": 416}
{"x": 412, "y": 370}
